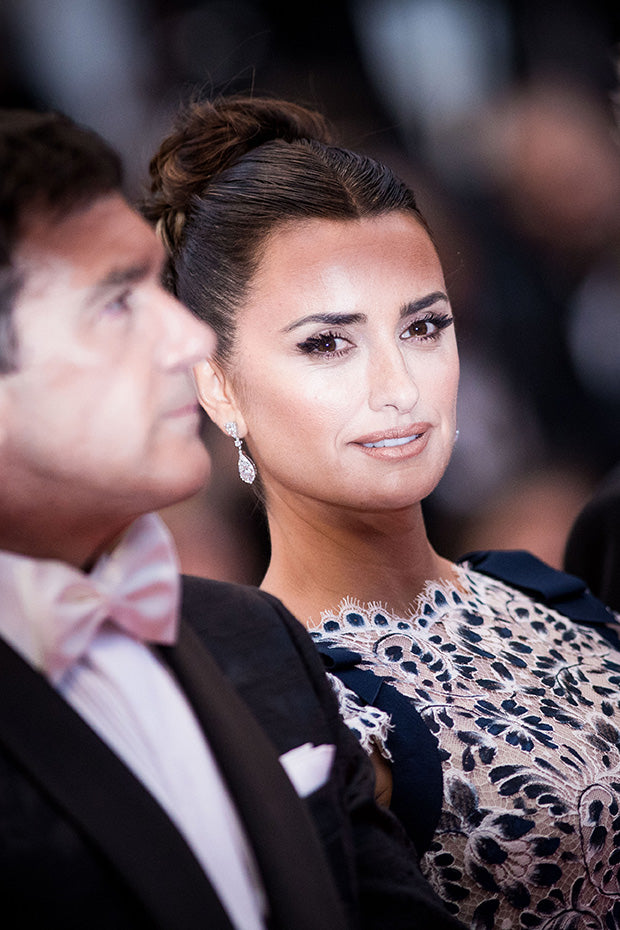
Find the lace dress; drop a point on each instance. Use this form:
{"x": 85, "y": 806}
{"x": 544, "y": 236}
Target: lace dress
{"x": 525, "y": 705}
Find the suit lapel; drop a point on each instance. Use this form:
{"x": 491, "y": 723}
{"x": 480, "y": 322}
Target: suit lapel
{"x": 293, "y": 866}
{"x": 103, "y": 799}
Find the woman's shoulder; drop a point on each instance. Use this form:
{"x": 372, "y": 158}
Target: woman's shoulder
{"x": 525, "y": 571}
{"x": 559, "y": 590}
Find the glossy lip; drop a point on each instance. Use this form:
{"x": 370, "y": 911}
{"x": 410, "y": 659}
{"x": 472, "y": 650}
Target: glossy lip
{"x": 418, "y": 435}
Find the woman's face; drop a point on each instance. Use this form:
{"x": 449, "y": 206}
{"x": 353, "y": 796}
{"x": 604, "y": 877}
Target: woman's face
{"x": 346, "y": 369}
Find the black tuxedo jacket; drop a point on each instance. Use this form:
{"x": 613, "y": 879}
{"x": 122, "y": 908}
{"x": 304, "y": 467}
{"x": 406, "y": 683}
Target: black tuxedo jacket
{"x": 83, "y": 844}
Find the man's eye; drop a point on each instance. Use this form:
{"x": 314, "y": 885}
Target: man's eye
{"x": 119, "y": 304}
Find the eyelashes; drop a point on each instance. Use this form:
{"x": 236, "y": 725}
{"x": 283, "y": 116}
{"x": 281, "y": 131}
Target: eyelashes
{"x": 332, "y": 344}
{"x": 439, "y": 321}
{"x": 329, "y": 344}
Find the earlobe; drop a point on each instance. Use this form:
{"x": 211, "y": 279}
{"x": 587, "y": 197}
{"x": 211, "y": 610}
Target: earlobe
{"x": 215, "y": 394}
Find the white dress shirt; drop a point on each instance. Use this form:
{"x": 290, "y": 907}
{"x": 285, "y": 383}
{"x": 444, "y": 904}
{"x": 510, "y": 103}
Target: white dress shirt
{"x": 125, "y": 693}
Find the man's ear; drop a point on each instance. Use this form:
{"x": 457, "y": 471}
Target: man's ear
{"x": 216, "y": 395}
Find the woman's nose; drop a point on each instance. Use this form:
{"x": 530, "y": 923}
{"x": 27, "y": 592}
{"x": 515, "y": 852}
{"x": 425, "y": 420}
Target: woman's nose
{"x": 391, "y": 383}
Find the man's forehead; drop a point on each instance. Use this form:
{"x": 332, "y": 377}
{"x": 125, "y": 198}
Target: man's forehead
{"x": 92, "y": 241}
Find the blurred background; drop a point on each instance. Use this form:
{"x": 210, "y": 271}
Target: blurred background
{"x": 502, "y": 116}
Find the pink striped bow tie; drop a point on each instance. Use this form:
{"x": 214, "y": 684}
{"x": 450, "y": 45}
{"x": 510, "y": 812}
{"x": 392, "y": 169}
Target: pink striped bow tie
{"x": 136, "y": 587}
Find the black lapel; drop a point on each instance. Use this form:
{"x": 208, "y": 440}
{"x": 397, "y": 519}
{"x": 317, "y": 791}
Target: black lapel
{"x": 294, "y": 869}
{"x": 103, "y": 799}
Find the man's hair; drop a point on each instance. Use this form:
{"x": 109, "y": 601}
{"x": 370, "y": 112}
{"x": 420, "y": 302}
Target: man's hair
{"x": 48, "y": 164}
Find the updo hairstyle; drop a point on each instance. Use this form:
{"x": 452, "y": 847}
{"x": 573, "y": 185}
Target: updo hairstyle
{"x": 235, "y": 169}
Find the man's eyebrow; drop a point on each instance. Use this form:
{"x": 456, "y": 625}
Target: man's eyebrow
{"x": 414, "y": 306}
{"x": 330, "y": 319}
{"x": 119, "y": 277}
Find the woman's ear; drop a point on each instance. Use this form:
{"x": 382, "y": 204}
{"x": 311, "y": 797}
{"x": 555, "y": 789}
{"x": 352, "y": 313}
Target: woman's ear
{"x": 216, "y": 396}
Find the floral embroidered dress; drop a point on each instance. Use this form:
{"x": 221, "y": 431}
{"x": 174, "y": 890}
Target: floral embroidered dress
{"x": 525, "y": 706}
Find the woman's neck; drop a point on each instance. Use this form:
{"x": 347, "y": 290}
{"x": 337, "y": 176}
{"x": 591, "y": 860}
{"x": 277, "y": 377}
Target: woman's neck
{"x": 320, "y": 555}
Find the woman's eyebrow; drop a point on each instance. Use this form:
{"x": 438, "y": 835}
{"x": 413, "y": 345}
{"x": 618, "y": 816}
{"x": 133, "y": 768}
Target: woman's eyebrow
{"x": 346, "y": 319}
{"x": 330, "y": 319}
{"x": 414, "y": 306}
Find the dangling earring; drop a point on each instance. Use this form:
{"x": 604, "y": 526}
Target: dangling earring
{"x": 247, "y": 468}
{"x": 457, "y": 433}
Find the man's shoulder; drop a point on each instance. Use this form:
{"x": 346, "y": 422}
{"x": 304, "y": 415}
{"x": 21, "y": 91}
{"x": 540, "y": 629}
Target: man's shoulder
{"x": 267, "y": 655}
{"x": 242, "y": 617}
{"x": 204, "y": 597}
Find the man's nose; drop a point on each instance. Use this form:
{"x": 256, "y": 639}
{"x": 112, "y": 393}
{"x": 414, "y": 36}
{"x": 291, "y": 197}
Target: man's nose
{"x": 188, "y": 340}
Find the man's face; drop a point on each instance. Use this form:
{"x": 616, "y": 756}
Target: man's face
{"x": 100, "y": 415}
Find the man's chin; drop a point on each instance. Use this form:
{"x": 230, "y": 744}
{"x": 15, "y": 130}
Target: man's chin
{"x": 190, "y": 480}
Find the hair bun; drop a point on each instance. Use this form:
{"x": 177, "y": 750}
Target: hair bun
{"x": 207, "y": 138}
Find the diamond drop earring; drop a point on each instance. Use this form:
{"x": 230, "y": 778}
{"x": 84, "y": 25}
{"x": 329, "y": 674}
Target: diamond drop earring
{"x": 247, "y": 468}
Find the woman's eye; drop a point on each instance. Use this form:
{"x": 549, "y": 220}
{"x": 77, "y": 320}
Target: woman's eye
{"x": 422, "y": 328}
{"x": 325, "y": 344}
{"x": 427, "y": 328}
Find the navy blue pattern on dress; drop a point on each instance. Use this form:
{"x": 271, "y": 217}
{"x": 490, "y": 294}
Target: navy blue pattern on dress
{"x": 525, "y": 705}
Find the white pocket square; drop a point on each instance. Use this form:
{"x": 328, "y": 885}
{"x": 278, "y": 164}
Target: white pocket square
{"x": 308, "y": 766}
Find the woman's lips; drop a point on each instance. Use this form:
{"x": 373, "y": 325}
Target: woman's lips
{"x": 399, "y": 444}
{"x": 388, "y": 443}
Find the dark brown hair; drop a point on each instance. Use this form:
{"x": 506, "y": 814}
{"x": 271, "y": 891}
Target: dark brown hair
{"x": 50, "y": 164}
{"x": 235, "y": 169}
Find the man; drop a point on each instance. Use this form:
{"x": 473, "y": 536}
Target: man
{"x": 147, "y": 781}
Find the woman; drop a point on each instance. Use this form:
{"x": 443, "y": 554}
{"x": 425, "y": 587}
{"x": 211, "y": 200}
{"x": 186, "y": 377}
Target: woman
{"x": 336, "y": 377}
